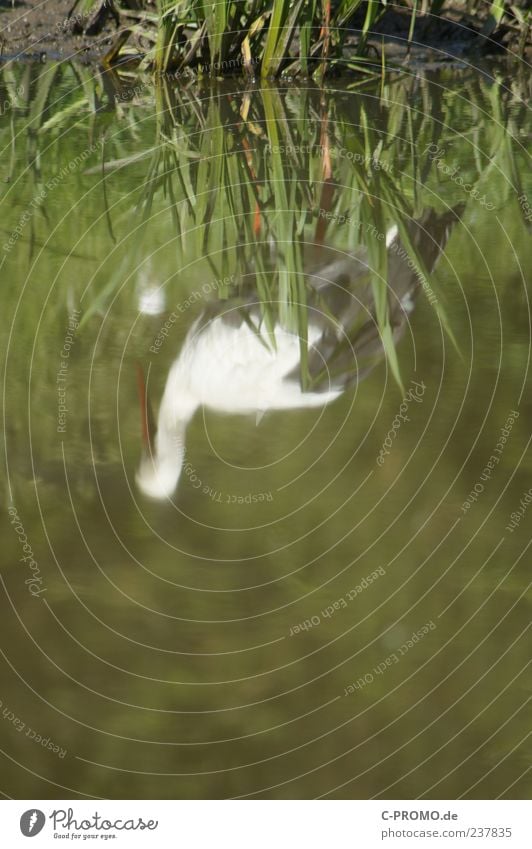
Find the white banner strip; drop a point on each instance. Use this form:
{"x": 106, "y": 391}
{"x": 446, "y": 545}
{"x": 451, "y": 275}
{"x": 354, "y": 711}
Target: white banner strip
{"x": 267, "y": 824}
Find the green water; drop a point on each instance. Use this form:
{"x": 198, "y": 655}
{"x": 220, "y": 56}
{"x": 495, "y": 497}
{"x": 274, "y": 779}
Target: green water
{"x": 154, "y": 648}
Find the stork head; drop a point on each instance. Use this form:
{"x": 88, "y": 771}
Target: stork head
{"x": 158, "y": 472}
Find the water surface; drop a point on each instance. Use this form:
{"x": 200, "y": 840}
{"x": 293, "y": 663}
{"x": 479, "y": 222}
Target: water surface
{"x": 329, "y": 598}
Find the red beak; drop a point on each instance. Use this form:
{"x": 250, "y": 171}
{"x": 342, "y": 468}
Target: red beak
{"x": 146, "y": 413}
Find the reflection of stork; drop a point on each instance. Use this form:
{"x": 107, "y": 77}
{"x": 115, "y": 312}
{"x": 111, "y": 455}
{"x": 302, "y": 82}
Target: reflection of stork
{"x": 229, "y": 362}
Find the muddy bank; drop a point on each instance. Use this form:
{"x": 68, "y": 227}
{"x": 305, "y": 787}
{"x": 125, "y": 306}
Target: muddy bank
{"x": 30, "y": 29}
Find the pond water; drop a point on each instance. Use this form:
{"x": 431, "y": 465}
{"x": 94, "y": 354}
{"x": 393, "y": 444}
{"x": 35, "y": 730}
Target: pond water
{"x": 267, "y": 419}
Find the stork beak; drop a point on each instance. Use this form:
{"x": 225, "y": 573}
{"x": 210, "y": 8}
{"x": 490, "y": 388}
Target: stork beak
{"x": 146, "y": 412}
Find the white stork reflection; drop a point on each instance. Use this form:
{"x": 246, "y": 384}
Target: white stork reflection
{"x": 231, "y": 363}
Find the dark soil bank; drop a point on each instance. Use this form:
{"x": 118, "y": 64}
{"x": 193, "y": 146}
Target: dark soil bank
{"x": 32, "y": 28}
{"x": 59, "y": 29}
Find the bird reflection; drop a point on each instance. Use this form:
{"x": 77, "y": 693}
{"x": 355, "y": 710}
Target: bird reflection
{"x": 232, "y": 362}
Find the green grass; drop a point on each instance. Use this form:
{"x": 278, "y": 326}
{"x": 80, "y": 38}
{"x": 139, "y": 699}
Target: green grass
{"x": 268, "y": 38}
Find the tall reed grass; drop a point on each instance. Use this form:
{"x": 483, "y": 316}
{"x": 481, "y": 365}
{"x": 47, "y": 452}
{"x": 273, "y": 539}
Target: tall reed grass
{"x": 268, "y": 38}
